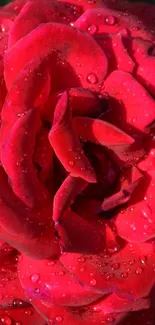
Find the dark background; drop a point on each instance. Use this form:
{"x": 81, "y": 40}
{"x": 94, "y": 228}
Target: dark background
{"x": 2, "y": 2}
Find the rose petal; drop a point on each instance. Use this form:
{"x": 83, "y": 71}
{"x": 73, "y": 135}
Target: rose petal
{"x": 117, "y": 53}
{"x": 131, "y": 179}
{"x": 50, "y": 281}
{"x": 135, "y": 102}
{"x": 122, "y": 272}
{"x": 108, "y": 21}
{"x": 44, "y": 154}
{"x": 66, "y": 144}
{"x": 101, "y": 132}
{"x": 25, "y": 94}
{"x": 35, "y": 13}
{"x": 16, "y": 155}
{"x": 66, "y": 195}
{"x": 53, "y": 36}
{"x": 21, "y": 315}
{"x": 90, "y": 232}
{"x": 77, "y": 316}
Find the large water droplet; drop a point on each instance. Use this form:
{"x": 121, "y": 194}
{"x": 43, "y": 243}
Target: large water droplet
{"x": 93, "y": 282}
{"x": 59, "y": 319}
{"x": 131, "y": 262}
{"x": 110, "y": 20}
{"x": 143, "y": 260}
{"x": 6, "y": 320}
{"x": 92, "y": 29}
{"x": 124, "y": 275}
{"x": 71, "y": 163}
{"x": 28, "y": 312}
{"x": 92, "y": 78}
{"x": 81, "y": 259}
{"x": 35, "y": 277}
{"x": 115, "y": 266}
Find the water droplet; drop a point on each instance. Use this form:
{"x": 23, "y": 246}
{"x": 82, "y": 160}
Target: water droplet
{"x": 37, "y": 290}
{"x": 81, "y": 259}
{"x": 110, "y": 20}
{"x": 110, "y": 276}
{"x": 28, "y": 312}
{"x": 82, "y": 269}
{"x": 71, "y": 163}
{"x": 92, "y": 29}
{"x": 110, "y": 319}
{"x": 92, "y": 78}
{"x": 124, "y": 275}
{"x": 35, "y": 277}
{"x": 58, "y": 319}
{"x": 18, "y": 323}
{"x": 6, "y": 320}
{"x": 61, "y": 273}
{"x": 115, "y": 266}
{"x": 131, "y": 262}
{"x": 93, "y": 282}
{"x": 143, "y": 260}
{"x": 139, "y": 271}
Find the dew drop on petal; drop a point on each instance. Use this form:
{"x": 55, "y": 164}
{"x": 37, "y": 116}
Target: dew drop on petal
{"x": 115, "y": 266}
{"x": 71, "y": 163}
{"x": 131, "y": 262}
{"x": 81, "y": 259}
{"x": 28, "y": 312}
{"x": 93, "y": 282}
{"x": 139, "y": 271}
{"x": 35, "y": 277}
{"x": 110, "y": 20}
{"x": 143, "y": 260}
{"x": 92, "y": 29}
{"x": 124, "y": 275}
{"x": 58, "y": 319}
{"x": 6, "y": 320}
{"x": 92, "y": 78}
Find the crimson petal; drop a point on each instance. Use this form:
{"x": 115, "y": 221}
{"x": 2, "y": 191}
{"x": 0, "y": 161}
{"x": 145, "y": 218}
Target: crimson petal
{"x": 66, "y": 194}
{"x": 50, "y": 281}
{"x": 101, "y": 132}
{"x": 66, "y": 143}
{"x": 53, "y": 36}
{"x": 122, "y": 272}
{"x": 136, "y": 102}
{"x": 16, "y": 155}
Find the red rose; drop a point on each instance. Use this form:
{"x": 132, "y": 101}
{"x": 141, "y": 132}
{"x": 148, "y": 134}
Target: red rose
{"x": 77, "y": 153}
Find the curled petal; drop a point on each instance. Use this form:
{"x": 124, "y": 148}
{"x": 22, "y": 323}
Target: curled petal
{"x": 101, "y": 132}
{"x": 66, "y": 194}
{"x": 57, "y": 37}
{"x": 129, "y": 182}
{"x": 16, "y": 155}
{"x": 66, "y": 143}
{"x": 27, "y": 92}
{"x": 44, "y": 154}
{"x": 91, "y": 233}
